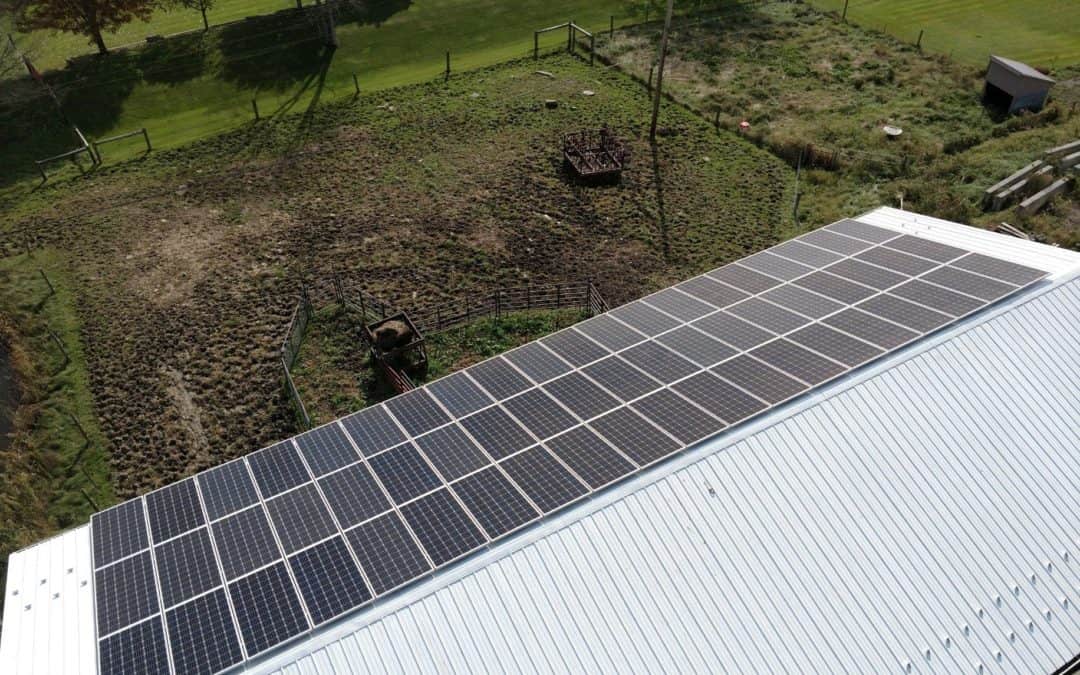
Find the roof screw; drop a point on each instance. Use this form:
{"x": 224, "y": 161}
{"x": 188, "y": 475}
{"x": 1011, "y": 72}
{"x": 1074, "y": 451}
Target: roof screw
{"x": 1065, "y": 555}
{"x": 926, "y": 653}
{"x": 55, "y": 596}
{"x": 907, "y": 666}
{"x": 1032, "y": 577}
{"x": 979, "y": 612}
{"x": 997, "y": 600}
{"x": 42, "y": 582}
{"x": 1012, "y": 636}
{"x": 1016, "y": 590}
{"x": 1047, "y": 614}
{"x": 1031, "y": 626}
{"x": 979, "y": 668}
{"x": 998, "y": 655}
{"x": 1048, "y": 565}
{"x": 15, "y": 592}
{"x": 83, "y": 582}
{"x": 948, "y": 642}
{"x": 26, "y": 608}
{"x": 967, "y": 629}
{"x": 71, "y": 570}
{"x": 1064, "y": 602}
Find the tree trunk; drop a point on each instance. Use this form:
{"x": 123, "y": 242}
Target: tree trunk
{"x": 95, "y": 34}
{"x": 205, "y": 23}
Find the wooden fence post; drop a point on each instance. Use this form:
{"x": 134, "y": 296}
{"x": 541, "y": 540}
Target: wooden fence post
{"x": 356, "y": 83}
{"x": 843, "y": 17}
{"x": 611, "y": 31}
{"x": 498, "y": 304}
{"x": 255, "y": 107}
{"x": 447, "y": 64}
{"x": 570, "y": 36}
{"x": 592, "y": 49}
{"x": 918, "y": 43}
{"x": 146, "y": 137}
{"x": 536, "y": 45}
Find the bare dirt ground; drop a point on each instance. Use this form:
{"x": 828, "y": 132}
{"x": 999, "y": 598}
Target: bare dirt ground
{"x": 186, "y": 266}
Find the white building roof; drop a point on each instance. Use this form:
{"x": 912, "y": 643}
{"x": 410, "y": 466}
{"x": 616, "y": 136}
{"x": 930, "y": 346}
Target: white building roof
{"x": 919, "y": 513}
{"x": 1021, "y": 69}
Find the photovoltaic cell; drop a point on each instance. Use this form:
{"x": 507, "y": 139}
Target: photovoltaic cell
{"x": 404, "y": 473}
{"x": 896, "y": 261}
{"x": 326, "y": 449}
{"x": 733, "y": 330}
{"x": 767, "y": 315}
{"x": 832, "y": 286}
{"x": 658, "y": 361}
{"x": 173, "y": 510}
{"x": 574, "y": 347}
{"x": 245, "y": 542}
{"x": 609, "y": 332}
{"x": 905, "y": 313}
{"x": 1002, "y": 270}
{"x": 679, "y": 304}
{"x": 768, "y": 384}
{"x": 677, "y": 416}
{"x": 329, "y": 580}
{"x": 936, "y": 297}
{"x": 590, "y": 457}
{"x": 499, "y": 378}
{"x": 712, "y": 291}
{"x": 227, "y": 489}
{"x": 744, "y": 278}
{"x": 125, "y": 593}
{"x": 802, "y": 301}
{"x": 452, "y": 452}
{"x": 925, "y": 248}
{"x": 202, "y": 635}
{"x": 139, "y": 650}
{"x": 118, "y": 532}
{"x": 836, "y": 345}
{"x": 803, "y": 253}
{"x": 854, "y": 228}
{"x": 866, "y": 274}
{"x": 775, "y": 266}
{"x": 496, "y": 432}
{"x": 186, "y": 567}
{"x": 620, "y": 378}
{"x": 277, "y": 469}
{"x": 581, "y": 396}
{"x": 539, "y": 413}
{"x": 387, "y": 552}
{"x": 442, "y": 526}
{"x": 634, "y": 436}
{"x": 353, "y": 495}
{"x": 966, "y": 282}
{"x": 459, "y": 394}
{"x": 417, "y": 411}
{"x": 644, "y": 318}
{"x": 837, "y": 243}
{"x": 538, "y": 362}
{"x": 494, "y": 502}
{"x": 870, "y": 328}
{"x": 718, "y": 397}
{"x": 696, "y": 346}
{"x": 544, "y": 479}
{"x": 798, "y": 361}
{"x": 372, "y": 430}
{"x": 268, "y": 610}
{"x": 300, "y": 518}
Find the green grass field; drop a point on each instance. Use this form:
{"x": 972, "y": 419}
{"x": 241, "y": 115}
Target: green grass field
{"x": 197, "y": 85}
{"x": 1042, "y": 32}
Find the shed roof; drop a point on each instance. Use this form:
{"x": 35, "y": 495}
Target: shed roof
{"x": 1022, "y": 69}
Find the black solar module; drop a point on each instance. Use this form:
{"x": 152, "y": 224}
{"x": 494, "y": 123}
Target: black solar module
{"x": 268, "y": 610}
{"x": 202, "y": 635}
{"x": 412, "y": 484}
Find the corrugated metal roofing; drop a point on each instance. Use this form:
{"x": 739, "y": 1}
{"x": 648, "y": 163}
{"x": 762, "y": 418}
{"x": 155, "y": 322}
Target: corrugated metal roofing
{"x": 921, "y": 517}
{"x": 1022, "y": 69}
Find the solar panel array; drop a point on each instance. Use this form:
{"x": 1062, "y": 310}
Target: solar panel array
{"x": 206, "y": 573}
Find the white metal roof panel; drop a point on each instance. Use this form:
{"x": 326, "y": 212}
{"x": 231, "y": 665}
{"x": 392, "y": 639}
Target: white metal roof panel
{"x": 920, "y": 515}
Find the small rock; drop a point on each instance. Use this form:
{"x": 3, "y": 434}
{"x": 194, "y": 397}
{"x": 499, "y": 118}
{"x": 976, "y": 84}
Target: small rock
{"x": 588, "y": 92}
{"x": 475, "y": 94}
{"x": 551, "y": 104}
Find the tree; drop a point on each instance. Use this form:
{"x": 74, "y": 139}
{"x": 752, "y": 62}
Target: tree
{"x": 203, "y": 6}
{"x": 83, "y": 17}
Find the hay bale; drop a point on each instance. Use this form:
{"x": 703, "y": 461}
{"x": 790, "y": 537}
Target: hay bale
{"x": 392, "y": 334}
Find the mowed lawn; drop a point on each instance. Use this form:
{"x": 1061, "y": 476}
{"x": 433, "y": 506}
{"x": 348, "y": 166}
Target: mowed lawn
{"x": 183, "y": 94}
{"x": 1041, "y": 32}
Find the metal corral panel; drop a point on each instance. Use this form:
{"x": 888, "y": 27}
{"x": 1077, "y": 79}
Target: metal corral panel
{"x": 921, "y": 516}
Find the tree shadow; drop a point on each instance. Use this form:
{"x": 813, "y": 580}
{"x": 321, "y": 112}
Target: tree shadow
{"x": 176, "y": 59}
{"x": 370, "y": 12}
{"x": 271, "y": 52}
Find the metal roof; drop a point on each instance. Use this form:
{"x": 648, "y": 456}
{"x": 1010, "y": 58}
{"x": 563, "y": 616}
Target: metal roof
{"x": 1021, "y": 69}
{"x": 922, "y": 505}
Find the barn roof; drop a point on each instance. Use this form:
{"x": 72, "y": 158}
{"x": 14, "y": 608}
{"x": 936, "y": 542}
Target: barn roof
{"x": 1021, "y": 69}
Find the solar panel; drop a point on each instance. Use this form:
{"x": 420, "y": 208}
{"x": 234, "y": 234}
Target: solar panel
{"x": 329, "y": 580}
{"x": 186, "y": 567}
{"x": 268, "y": 611}
{"x": 353, "y": 495}
{"x": 245, "y": 542}
{"x": 227, "y": 489}
{"x": 546, "y": 481}
{"x": 326, "y": 449}
{"x": 443, "y": 528}
{"x": 538, "y": 362}
{"x": 300, "y": 518}
{"x": 277, "y": 469}
{"x": 202, "y": 635}
{"x": 411, "y": 482}
{"x": 387, "y": 552}
{"x": 596, "y": 462}
{"x": 498, "y": 506}
{"x": 174, "y": 510}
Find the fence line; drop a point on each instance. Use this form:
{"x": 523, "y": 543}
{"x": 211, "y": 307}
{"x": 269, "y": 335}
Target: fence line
{"x": 290, "y": 349}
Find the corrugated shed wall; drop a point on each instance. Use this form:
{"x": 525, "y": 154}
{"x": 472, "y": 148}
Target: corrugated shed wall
{"x": 925, "y": 520}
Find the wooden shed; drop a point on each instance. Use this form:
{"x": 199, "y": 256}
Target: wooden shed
{"x": 1015, "y": 86}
